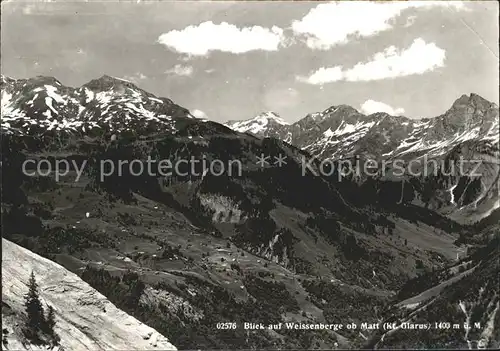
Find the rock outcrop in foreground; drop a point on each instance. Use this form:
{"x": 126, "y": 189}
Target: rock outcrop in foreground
{"x": 85, "y": 319}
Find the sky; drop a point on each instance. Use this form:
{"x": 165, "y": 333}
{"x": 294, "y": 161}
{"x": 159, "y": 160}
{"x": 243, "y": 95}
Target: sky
{"x": 233, "y": 60}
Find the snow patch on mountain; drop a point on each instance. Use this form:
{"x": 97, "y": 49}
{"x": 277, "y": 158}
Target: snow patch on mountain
{"x": 6, "y": 98}
{"x": 89, "y": 95}
{"x": 258, "y": 125}
{"x": 52, "y": 93}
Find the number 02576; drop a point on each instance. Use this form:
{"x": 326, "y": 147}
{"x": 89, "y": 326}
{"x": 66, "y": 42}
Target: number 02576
{"x": 226, "y": 325}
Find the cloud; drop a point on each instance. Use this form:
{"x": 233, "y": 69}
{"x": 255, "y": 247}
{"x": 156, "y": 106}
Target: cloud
{"x": 28, "y": 9}
{"x": 419, "y": 58}
{"x": 371, "y": 106}
{"x": 332, "y": 24}
{"x": 323, "y": 75}
{"x": 185, "y": 58}
{"x": 410, "y": 21}
{"x": 206, "y": 37}
{"x": 180, "y": 70}
{"x": 199, "y": 114}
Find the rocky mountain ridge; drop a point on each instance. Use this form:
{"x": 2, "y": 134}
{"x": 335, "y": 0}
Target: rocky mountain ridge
{"x": 467, "y": 133}
{"x": 341, "y": 131}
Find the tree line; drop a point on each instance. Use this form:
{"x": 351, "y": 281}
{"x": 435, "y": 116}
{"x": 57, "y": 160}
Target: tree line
{"x": 39, "y": 327}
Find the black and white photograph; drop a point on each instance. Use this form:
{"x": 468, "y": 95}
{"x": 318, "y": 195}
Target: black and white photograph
{"x": 250, "y": 175}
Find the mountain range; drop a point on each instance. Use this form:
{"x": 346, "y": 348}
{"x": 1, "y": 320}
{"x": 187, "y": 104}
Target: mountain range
{"x": 271, "y": 244}
{"x": 469, "y": 130}
{"x": 108, "y": 102}
{"x": 341, "y": 131}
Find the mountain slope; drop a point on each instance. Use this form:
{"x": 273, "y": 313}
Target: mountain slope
{"x": 462, "y": 308}
{"x": 85, "y": 319}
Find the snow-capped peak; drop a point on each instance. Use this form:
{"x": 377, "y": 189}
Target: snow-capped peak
{"x": 272, "y": 116}
{"x": 259, "y": 125}
{"x": 106, "y": 102}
